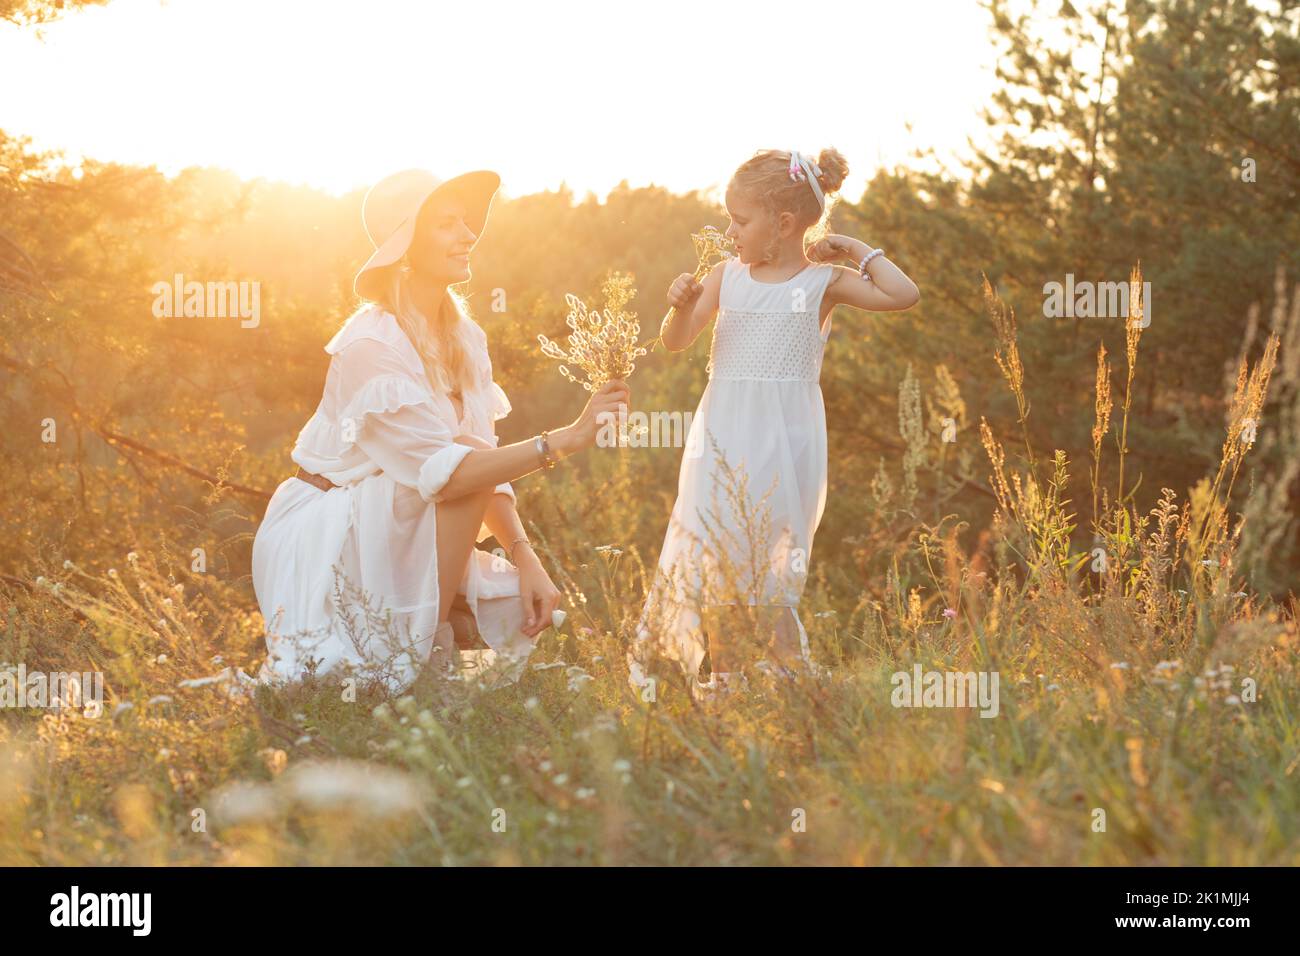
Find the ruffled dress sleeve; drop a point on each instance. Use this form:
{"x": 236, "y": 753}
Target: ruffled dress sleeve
{"x": 390, "y": 416}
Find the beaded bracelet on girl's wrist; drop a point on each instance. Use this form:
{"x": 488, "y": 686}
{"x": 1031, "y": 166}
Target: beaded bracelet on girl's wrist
{"x": 862, "y": 266}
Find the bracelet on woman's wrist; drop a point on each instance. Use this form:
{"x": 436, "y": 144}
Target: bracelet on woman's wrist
{"x": 543, "y": 446}
{"x": 514, "y": 544}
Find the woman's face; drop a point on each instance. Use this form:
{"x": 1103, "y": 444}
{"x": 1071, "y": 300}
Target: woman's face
{"x": 439, "y": 250}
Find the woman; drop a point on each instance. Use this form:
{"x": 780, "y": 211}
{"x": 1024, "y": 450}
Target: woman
{"x": 363, "y": 551}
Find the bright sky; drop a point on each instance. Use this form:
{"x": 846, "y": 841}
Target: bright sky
{"x": 338, "y": 94}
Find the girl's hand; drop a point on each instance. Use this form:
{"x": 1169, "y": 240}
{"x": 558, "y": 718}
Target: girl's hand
{"x": 832, "y": 248}
{"x": 684, "y": 291}
{"x": 539, "y": 594}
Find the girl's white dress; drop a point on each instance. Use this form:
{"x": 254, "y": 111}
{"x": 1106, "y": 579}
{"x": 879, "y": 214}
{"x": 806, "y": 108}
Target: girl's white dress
{"x": 752, "y": 485}
{"x": 349, "y": 576}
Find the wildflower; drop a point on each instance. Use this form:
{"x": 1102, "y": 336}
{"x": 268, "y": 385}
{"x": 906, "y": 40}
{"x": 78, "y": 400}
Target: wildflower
{"x": 504, "y": 780}
{"x": 621, "y": 766}
{"x": 40, "y": 582}
{"x": 464, "y": 782}
{"x": 711, "y": 245}
{"x": 584, "y": 793}
{"x": 112, "y": 572}
{"x": 356, "y": 785}
{"x": 240, "y": 801}
{"x": 1232, "y": 700}
{"x": 577, "y": 677}
{"x": 531, "y": 703}
{"x": 602, "y": 344}
{"x": 950, "y": 612}
{"x": 560, "y": 779}
{"x": 68, "y": 565}
{"x": 1119, "y": 666}
{"x": 132, "y": 557}
{"x": 544, "y": 766}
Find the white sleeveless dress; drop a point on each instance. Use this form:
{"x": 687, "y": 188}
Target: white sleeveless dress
{"x": 762, "y": 417}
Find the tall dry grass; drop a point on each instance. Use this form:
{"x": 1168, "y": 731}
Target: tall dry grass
{"x": 1143, "y": 684}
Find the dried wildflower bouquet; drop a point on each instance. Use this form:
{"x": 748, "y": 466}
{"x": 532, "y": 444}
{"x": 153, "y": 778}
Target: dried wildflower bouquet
{"x": 603, "y": 345}
{"x": 711, "y": 247}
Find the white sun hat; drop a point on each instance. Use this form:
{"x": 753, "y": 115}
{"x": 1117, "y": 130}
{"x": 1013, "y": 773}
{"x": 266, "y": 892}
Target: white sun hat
{"x": 392, "y": 204}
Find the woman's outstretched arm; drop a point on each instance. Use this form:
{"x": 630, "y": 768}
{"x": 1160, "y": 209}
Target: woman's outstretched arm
{"x": 485, "y": 468}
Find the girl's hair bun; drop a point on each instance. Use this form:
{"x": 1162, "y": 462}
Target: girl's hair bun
{"x": 834, "y": 167}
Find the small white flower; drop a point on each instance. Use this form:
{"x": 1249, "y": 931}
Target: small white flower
{"x": 68, "y": 565}
{"x": 1053, "y": 686}
{"x": 557, "y": 618}
{"x": 544, "y": 766}
{"x": 504, "y": 780}
{"x": 584, "y": 793}
{"x": 531, "y": 703}
{"x": 560, "y": 779}
{"x": 1232, "y": 700}
{"x": 112, "y": 572}
{"x": 40, "y": 582}
{"x": 132, "y": 557}
{"x": 621, "y": 766}
{"x": 464, "y": 782}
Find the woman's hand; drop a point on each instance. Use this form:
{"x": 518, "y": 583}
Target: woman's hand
{"x": 832, "y": 248}
{"x": 539, "y": 594}
{"x": 605, "y": 401}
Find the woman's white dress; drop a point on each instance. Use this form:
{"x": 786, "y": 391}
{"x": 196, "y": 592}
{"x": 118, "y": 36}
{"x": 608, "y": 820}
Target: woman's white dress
{"x": 752, "y": 485}
{"x": 349, "y": 576}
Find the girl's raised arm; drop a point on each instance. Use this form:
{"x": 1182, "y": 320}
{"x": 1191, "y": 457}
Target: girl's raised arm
{"x": 890, "y": 290}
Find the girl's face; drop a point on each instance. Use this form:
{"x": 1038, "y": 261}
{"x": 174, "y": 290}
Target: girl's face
{"x": 439, "y": 250}
{"x": 756, "y": 234}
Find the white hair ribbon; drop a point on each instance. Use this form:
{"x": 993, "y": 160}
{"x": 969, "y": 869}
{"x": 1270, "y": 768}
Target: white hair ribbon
{"x": 801, "y": 167}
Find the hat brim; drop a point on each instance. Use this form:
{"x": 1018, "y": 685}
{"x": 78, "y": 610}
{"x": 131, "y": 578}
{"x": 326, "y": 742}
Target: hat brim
{"x": 478, "y": 188}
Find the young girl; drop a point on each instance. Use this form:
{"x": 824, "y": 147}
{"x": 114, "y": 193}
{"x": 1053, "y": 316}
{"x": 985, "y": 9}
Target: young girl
{"x": 752, "y": 486}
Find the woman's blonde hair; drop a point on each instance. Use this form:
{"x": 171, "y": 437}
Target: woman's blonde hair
{"x": 765, "y": 178}
{"x": 444, "y": 341}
